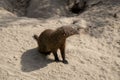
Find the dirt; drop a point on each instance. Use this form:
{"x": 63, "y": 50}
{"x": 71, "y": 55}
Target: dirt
{"x": 92, "y": 55}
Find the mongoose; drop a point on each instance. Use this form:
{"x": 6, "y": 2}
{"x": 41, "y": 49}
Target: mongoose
{"x": 52, "y": 40}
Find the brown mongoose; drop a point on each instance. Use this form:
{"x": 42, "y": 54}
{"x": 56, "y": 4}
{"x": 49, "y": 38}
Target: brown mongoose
{"x": 52, "y": 40}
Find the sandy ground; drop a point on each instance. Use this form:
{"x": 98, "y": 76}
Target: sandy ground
{"x": 94, "y": 55}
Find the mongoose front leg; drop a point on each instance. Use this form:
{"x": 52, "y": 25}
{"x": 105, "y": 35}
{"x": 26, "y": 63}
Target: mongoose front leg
{"x": 62, "y": 50}
{"x": 56, "y": 56}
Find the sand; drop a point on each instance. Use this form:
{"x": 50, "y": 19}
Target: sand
{"x": 92, "y": 55}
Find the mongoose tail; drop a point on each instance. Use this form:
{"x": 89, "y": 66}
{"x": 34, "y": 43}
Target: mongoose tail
{"x": 35, "y": 37}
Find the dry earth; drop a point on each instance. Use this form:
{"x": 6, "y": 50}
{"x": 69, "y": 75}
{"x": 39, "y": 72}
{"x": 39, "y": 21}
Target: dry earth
{"x": 92, "y": 55}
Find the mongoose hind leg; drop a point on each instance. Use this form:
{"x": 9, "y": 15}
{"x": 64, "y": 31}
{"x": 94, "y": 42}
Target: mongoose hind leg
{"x": 47, "y": 53}
{"x": 44, "y": 52}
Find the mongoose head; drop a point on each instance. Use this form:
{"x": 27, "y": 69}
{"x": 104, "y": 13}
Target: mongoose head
{"x": 68, "y": 31}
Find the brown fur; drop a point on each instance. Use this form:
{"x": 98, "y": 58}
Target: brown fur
{"x": 52, "y": 40}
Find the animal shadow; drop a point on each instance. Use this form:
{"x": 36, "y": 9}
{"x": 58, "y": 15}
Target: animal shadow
{"x": 32, "y": 60}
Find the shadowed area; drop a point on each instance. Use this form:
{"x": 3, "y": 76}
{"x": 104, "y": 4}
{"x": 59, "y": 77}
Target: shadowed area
{"x": 32, "y": 60}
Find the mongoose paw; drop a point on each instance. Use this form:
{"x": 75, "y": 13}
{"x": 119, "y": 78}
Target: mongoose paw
{"x": 57, "y": 60}
{"x": 65, "y": 61}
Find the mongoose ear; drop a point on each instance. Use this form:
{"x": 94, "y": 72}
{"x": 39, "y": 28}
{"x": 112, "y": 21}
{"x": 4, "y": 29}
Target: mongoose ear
{"x": 62, "y": 31}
